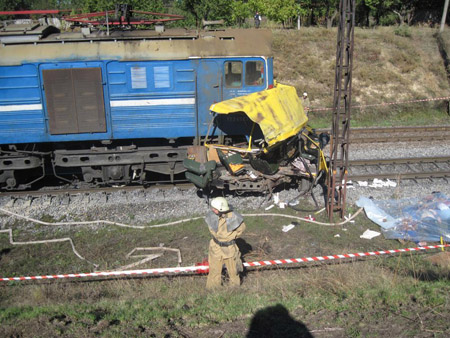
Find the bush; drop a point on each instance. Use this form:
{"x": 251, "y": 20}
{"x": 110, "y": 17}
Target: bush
{"x": 403, "y": 30}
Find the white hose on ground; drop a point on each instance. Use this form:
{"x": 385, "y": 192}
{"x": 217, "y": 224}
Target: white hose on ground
{"x": 175, "y": 222}
{"x": 68, "y": 239}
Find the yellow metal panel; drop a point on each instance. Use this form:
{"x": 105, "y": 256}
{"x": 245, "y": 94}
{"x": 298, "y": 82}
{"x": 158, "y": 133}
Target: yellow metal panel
{"x": 278, "y": 111}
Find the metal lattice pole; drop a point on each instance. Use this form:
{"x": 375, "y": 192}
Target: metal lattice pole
{"x": 340, "y": 131}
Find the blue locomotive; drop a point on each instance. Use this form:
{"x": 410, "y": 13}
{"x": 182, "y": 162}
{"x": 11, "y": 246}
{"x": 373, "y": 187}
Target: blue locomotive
{"x": 117, "y": 107}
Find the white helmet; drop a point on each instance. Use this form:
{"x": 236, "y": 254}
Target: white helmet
{"x": 305, "y": 94}
{"x": 220, "y": 204}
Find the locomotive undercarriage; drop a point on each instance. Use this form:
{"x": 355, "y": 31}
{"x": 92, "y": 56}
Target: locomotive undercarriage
{"x": 19, "y": 170}
{"x": 123, "y": 164}
{"x": 95, "y": 165}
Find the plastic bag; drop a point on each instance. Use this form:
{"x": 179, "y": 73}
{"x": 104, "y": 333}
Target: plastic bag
{"x": 412, "y": 219}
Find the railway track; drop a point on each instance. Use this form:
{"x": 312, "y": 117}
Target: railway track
{"x": 106, "y": 191}
{"x": 400, "y": 168}
{"x": 397, "y": 134}
{"x": 359, "y": 170}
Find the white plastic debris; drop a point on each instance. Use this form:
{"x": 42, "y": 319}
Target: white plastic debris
{"x": 282, "y": 205}
{"x": 363, "y": 183}
{"x": 270, "y": 207}
{"x": 391, "y": 183}
{"x": 347, "y": 218}
{"x": 369, "y": 234}
{"x": 286, "y": 228}
{"x": 276, "y": 198}
{"x": 318, "y": 212}
{"x": 337, "y": 235}
{"x": 377, "y": 183}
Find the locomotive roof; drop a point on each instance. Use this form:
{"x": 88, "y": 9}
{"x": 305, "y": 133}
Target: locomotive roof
{"x": 42, "y": 44}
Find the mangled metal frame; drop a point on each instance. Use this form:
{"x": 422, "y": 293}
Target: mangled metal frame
{"x": 278, "y": 118}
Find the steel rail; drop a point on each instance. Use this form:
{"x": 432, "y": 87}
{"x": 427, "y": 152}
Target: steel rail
{"x": 396, "y": 139}
{"x": 364, "y": 130}
{"x": 402, "y": 175}
{"x": 409, "y": 160}
{"x": 438, "y": 173}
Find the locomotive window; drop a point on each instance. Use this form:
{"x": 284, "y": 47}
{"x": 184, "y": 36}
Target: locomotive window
{"x": 138, "y": 77}
{"x": 162, "y": 77}
{"x": 254, "y": 73}
{"x": 233, "y": 74}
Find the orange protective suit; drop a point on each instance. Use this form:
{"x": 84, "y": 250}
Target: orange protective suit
{"x": 223, "y": 249}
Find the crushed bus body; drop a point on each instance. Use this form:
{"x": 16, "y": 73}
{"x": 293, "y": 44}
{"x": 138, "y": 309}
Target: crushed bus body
{"x": 277, "y": 145}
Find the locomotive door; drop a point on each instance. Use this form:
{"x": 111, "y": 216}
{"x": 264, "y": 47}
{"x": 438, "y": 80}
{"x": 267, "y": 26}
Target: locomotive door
{"x": 209, "y": 91}
{"x": 74, "y": 100}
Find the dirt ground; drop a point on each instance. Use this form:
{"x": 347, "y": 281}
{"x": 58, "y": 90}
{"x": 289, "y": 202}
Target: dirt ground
{"x": 309, "y": 300}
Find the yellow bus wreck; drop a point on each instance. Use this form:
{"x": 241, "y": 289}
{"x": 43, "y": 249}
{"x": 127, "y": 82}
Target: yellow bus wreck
{"x": 275, "y": 145}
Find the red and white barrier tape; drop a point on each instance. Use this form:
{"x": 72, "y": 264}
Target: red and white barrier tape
{"x": 204, "y": 268}
{"x": 386, "y": 103}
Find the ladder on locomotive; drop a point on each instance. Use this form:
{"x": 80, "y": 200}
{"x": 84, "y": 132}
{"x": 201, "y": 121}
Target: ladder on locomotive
{"x": 340, "y": 131}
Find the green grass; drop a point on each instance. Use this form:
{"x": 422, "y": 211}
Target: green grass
{"x": 355, "y": 296}
{"x": 346, "y": 292}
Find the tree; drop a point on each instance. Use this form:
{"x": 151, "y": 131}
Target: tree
{"x": 405, "y": 10}
{"x": 282, "y": 11}
{"x": 207, "y": 9}
{"x": 240, "y": 11}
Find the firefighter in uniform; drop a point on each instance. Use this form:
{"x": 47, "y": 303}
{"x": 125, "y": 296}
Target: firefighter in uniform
{"x": 225, "y": 226}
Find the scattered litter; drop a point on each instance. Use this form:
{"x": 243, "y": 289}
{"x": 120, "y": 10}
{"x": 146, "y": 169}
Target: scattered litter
{"x": 391, "y": 184}
{"x": 282, "y": 205}
{"x": 348, "y": 218}
{"x": 270, "y": 207}
{"x": 318, "y": 212}
{"x": 337, "y": 235}
{"x": 377, "y": 183}
{"x": 286, "y": 228}
{"x": 369, "y": 234}
{"x": 310, "y": 218}
{"x": 276, "y": 198}
{"x": 344, "y": 229}
{"x": 297, "y": 202}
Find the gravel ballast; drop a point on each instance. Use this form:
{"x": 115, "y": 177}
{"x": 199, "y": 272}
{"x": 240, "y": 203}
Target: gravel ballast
{"x": 157, "y": 205}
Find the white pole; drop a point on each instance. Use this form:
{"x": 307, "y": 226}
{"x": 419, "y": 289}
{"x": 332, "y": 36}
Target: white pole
{"x": 298, "y": 21}
{"x": 444, "y": 16}
{"x": 107, "y": 23}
